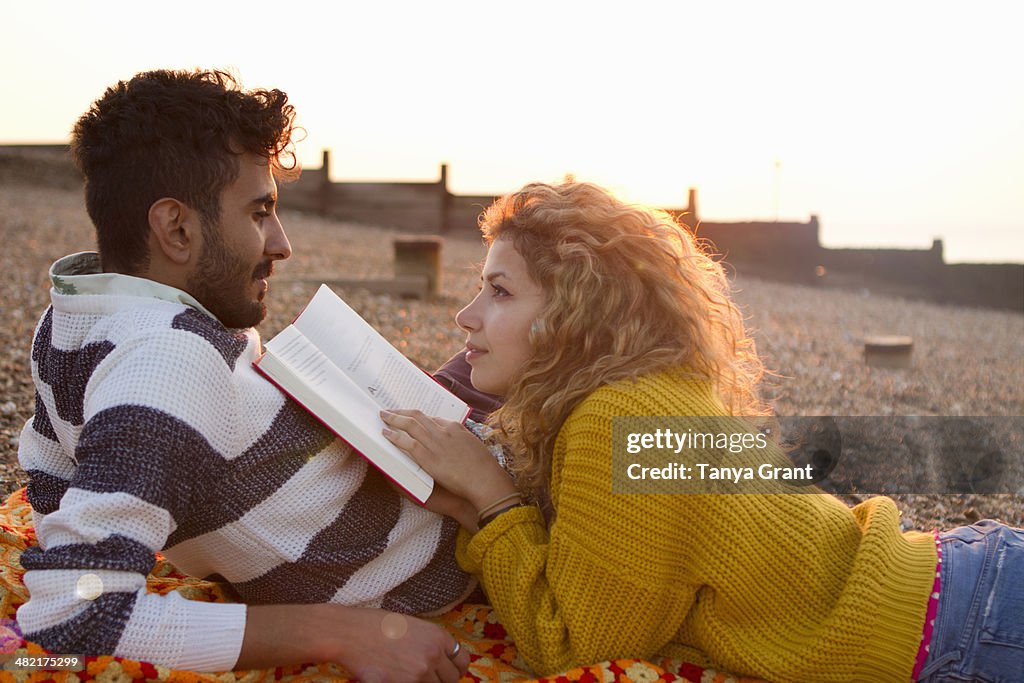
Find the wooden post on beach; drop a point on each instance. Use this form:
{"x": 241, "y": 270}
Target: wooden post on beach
{"x": 324, "y": 192}
{"x": 446, "y": 200}
{"x": 420, "y": 256}
{"x": 888, "y": 351}
{"x": 689, "y": 217}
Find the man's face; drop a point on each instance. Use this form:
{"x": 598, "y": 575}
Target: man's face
{"x": 238, "y": 254}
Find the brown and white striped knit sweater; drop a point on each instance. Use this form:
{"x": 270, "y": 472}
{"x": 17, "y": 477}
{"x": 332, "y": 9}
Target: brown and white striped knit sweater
{"x": 153, "y": 432}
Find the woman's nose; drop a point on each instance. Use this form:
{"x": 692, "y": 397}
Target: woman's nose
{"x": 467, "y": 319}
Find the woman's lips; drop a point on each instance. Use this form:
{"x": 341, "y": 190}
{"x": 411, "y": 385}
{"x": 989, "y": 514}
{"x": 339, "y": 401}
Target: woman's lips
{"x": 472, "y": 353}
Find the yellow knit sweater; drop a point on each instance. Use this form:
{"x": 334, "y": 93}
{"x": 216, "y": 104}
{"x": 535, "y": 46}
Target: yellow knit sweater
{"x": 786, "y": 587}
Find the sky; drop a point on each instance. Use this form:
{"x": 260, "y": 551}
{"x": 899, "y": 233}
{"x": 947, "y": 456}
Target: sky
{"x": 894, "y": 122}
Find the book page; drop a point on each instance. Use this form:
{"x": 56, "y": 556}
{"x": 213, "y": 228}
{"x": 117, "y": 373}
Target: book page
{"x": 309, "y": 377}
{"x": 316, "y": 372}
{"x": 373, "y": 364}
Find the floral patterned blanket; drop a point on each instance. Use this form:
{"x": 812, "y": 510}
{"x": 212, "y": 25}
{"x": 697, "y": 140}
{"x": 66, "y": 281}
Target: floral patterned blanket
{"x": 493, "y": 656}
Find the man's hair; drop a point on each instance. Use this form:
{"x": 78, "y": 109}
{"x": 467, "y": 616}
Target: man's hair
{"x": 628, "y": 292}
{"x": 172, "y": 134}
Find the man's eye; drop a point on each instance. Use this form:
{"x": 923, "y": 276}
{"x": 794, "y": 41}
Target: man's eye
{"x": 262, "y": 214}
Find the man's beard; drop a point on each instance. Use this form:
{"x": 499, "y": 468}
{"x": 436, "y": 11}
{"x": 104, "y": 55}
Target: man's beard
{"x": 222, "y": 283}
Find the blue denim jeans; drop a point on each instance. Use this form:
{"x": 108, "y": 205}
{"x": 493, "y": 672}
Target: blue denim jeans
{"x": 979, "y": 627}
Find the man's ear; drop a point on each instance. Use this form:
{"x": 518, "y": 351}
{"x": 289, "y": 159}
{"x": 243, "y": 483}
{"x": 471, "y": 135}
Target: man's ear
{"x": 175, "y": 228}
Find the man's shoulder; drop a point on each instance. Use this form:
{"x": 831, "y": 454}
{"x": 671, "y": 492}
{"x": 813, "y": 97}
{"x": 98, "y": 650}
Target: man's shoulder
{"x": 230, "y": 344}
{"x": 188, "y": 332}
{"x": 142, "y": 326}
{"x": 165, "y": 320}
{"x": 164, "y": 361}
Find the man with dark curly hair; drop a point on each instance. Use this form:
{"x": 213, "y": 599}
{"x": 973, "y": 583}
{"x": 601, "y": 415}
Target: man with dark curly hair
{"x": 152, "y": 431}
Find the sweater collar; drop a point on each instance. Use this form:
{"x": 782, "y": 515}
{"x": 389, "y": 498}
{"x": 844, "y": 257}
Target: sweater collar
{"x": 81, "y": 274}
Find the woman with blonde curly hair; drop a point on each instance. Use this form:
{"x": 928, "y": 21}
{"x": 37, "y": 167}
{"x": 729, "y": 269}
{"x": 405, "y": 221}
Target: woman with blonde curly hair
{"x": 593, "y": 309}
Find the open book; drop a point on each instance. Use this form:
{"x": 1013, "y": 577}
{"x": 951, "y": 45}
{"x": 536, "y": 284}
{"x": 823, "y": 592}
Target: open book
{"x": 340, "y": 369}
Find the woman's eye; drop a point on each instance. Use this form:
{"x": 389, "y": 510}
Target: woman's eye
{"x": 498, "y": 290}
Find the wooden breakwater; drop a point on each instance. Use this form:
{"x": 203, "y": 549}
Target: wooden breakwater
{"x": 788, "y": 251}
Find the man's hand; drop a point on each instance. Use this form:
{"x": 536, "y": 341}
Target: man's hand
{"x": 373, "y": 645}
{"x": 395, "y": 648}
{"x": 444, "y": 502}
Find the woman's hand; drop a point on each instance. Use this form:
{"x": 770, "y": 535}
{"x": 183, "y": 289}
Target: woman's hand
{"x": 451, "y": 454}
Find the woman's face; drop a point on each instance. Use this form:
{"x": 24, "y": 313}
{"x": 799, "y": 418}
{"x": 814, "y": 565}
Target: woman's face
{"x": 498, "y": 320}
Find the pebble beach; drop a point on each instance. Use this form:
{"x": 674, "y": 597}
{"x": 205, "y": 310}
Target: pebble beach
{"x": 966, "y": 361}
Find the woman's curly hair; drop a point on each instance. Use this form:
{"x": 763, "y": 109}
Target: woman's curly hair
{"x": 628, "y": 292}
{"x": 171, "y": 134}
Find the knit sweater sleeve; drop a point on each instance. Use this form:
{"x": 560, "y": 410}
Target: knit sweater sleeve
{"x": 603, "y": 582}
{"x": 41, "y": 456}
{"x": 154, "y": 411}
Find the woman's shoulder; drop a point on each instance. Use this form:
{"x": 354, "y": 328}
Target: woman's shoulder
{"x": 673, "y": 391}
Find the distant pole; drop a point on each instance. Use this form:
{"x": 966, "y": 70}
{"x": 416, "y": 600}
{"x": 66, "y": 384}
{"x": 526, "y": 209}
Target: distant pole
{"x": 446, "y": 200}
{"x": 324, "y": 191}
{"x": 778, "y": 173}
{"x": 691, "y": 208}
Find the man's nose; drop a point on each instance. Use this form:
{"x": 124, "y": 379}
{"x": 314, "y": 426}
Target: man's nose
{"x": 278, "y": 247}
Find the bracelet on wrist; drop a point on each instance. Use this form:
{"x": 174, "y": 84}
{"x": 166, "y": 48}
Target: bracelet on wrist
{"x": 504, "y": 500}
{"x": 484, "y": 521}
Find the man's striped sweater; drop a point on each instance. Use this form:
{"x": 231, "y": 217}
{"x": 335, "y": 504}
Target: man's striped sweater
{"x": 153, "y": 432}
